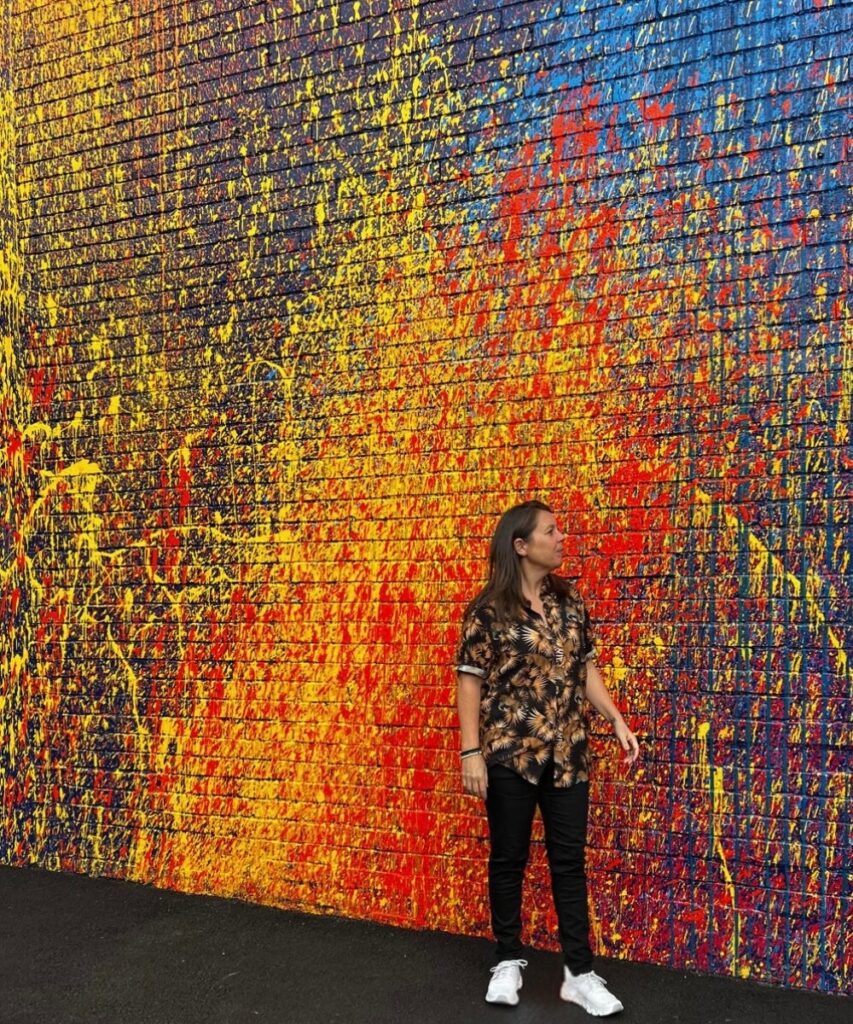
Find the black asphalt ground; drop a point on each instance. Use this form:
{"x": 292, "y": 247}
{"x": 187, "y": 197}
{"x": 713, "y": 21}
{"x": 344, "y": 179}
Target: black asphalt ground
{"x": 78, "y": 950}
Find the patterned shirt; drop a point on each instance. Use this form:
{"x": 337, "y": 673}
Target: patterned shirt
{"x": 534, "y": 685}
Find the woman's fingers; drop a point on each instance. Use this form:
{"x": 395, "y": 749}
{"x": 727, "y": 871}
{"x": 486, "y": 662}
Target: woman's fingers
{"x": 629, "y": 742}
{"x": 477, "y": 787}
{"x": 484, "y": 783}
{"x": 475, "y": 778}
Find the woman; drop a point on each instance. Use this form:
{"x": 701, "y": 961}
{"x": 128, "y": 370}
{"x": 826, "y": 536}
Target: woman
{"x": 526, "y": 664}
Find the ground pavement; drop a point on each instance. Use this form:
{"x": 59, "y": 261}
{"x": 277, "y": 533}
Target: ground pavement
{"x": 76, "y": 950}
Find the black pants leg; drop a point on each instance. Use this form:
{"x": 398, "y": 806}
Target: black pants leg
{"x": 564, "y": 814}
{"x": 511, "y": 804}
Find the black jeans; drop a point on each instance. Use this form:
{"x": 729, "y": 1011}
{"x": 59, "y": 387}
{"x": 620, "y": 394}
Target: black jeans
{"x": 511, "y": 803}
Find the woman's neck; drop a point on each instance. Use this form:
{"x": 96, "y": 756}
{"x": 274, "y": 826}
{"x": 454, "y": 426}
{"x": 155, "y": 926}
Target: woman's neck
{"x": 531, "y": 585}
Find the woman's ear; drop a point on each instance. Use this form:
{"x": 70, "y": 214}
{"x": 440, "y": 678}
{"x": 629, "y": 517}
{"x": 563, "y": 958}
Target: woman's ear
{"x": 520, "y": 546}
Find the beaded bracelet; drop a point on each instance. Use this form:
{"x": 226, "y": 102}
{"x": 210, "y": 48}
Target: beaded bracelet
{"x": 469, "y": 753}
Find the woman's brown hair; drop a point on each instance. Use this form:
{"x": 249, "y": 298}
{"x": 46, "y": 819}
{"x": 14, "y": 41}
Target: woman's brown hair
{"x": 503, "y": 590}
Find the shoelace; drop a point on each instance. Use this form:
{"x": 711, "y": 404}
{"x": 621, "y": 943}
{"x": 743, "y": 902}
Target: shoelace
{"x": 592, "y": 976}
{"x": 504, "y": 965}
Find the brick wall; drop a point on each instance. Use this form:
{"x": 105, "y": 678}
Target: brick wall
{"x": 297, "y": 298}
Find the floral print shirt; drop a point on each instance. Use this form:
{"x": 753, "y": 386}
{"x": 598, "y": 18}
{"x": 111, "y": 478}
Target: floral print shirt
{"x": 534, "y": 685}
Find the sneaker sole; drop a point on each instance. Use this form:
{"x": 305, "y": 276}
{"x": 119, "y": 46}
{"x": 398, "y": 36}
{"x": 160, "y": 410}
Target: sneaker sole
{"x": 571, "y": 998}
{"x": 508, "y": 1001}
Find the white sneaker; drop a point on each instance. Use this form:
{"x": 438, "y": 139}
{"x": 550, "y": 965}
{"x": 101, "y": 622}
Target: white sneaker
{"x": 505, "y": 983}
{"x": 589, "y": 991}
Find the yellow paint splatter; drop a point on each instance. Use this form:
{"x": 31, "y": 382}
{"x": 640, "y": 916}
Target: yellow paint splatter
{"x": 717, "y": 809}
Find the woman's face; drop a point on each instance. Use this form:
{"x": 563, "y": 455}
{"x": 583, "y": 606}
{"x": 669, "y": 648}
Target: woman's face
{"x": 543, "y": 549}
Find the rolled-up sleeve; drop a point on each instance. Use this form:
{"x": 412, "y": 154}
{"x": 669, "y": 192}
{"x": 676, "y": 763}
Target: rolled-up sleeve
{"x": 476, "y": 646}
{"x": 590, "y": 637}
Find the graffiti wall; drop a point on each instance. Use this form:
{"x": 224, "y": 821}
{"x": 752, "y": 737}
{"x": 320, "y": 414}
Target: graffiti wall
{"x": 297, "y": 298}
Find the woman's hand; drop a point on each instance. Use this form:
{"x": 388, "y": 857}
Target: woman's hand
{"x": 475, "y": 779}
{"x": 627, "y": 739}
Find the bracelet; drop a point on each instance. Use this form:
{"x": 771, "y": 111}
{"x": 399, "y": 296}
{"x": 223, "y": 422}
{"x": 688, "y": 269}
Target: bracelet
{"x": 469, "y": 753}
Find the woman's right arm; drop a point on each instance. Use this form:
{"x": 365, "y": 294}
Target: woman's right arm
{"x": 468, "y": 693}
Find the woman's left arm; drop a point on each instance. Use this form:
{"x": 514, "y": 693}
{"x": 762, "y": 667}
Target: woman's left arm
{"x": 597, "y": 695}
